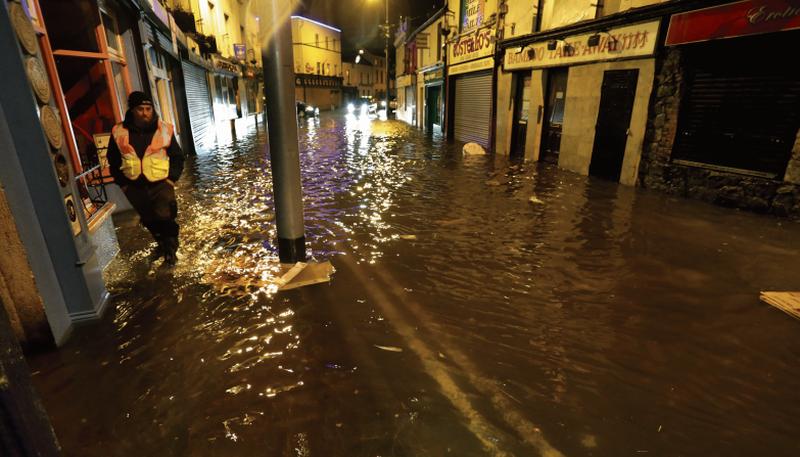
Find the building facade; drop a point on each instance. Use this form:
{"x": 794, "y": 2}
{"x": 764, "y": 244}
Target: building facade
{"x": 472, "y": 29}
{"x": 643, "y": 92}
{"x": 71, "y": 65}
{"x": 364, "y": 77}
{"x": 725, "y": 122}
{"x": 317, "y": 50}
{"x": 655, "y": 94}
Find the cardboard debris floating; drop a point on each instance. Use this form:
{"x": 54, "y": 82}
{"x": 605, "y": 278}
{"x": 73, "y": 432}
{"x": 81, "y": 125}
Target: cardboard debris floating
{"x": 304, "y": 274}
{"x": 788, "y": 302}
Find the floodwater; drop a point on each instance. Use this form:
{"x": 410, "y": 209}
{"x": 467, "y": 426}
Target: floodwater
{"x": 479, "y": 307}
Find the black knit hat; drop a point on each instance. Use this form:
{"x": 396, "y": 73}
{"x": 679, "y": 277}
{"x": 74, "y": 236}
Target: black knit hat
{"x": 137, "y": 98}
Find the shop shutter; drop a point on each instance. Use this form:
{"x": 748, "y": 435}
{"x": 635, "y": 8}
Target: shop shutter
{"x": 165, "y": 42}
{"x": 198, "y": 100}
{"x": 473, "y": 111}
{"x": 738, "y": 116}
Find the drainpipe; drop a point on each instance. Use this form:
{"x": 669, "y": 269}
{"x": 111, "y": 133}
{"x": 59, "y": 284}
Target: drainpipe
{"x": 283, "y": 146}
{"x": 538, "y": 25}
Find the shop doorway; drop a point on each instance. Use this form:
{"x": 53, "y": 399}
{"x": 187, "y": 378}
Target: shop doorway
{"x": 433, "y": 118}
{"x": 472, "y": 116}
{"x": 613, "y": 123}
{"x": 554, "y": 115}
{"x": 519, "y": 128}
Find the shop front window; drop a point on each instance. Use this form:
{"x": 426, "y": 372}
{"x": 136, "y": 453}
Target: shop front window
{"x": 231, "y": 91}
{"x": 218, "y": 91}
{"x": 85, "y": 48}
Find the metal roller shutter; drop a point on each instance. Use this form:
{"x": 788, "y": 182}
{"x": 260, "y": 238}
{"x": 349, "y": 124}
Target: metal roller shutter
{"x": 738, "y": 116}
{"x": 165, "y": 42}
{"x": 473, "y": 111}
{"x": 198, "y": 100}
{"x": 146, "y": 30}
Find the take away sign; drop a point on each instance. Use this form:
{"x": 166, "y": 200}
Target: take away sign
{"x": 636, "y": 40}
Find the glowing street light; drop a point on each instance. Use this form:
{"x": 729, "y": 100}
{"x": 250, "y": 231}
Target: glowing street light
{"x": 386, "y": 55}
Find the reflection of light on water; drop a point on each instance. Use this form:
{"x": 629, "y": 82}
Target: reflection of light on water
{"x": 227, "y": 238}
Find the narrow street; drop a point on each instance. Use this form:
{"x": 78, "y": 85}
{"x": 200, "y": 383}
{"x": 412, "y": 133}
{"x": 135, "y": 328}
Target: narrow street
{"x": 479, "y": 307}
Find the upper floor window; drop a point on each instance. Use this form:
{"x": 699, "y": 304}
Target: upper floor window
{"x": 316, "y": 35}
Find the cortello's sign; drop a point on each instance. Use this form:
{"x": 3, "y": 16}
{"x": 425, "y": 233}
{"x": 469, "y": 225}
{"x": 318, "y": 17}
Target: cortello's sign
{"x": 472, "y": 46}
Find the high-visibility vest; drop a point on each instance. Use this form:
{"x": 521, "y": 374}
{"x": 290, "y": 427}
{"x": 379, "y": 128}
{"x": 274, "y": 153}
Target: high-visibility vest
{"x": 155, "y": 162}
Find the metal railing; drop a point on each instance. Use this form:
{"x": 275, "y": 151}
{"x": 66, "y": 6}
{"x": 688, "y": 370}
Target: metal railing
{"x": 92, "y": 190}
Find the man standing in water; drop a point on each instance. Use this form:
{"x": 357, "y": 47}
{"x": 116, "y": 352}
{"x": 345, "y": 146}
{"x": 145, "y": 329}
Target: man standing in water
{"x": 145, "y": 160}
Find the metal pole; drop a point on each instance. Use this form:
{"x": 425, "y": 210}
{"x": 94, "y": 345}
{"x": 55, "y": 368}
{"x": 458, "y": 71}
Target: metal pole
{"x": 386, "y": 72}
{"x": 283, "y": 147}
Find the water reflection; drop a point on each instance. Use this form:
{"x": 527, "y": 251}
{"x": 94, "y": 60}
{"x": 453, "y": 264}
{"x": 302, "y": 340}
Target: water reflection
{"x": 480, "y": 307}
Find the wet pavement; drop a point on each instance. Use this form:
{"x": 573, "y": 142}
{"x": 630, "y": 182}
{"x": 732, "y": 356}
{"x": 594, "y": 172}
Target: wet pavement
{"x": 464, "y": 318}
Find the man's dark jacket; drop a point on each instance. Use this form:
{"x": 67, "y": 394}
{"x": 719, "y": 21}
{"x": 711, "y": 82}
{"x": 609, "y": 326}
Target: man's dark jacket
{"x": 140, "y": 139}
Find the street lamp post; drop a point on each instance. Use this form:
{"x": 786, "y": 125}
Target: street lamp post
{"x": 386, "y": 55}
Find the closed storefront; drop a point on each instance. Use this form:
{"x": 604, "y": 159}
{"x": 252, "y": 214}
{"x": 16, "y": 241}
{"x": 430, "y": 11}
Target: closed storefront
{"x": 198, "y": 101}
{"x": 472, "y": 118}
{"x": 405, "y": 99}
{"x": 726, "y": 124}
{"x": 744, "y": 117}
{"x": 471, "y": 76}
{"x": 433, "y": 101}
{"x": 582, "y": 102}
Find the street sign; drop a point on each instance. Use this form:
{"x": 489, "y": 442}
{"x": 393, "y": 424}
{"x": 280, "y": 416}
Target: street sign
{"x": 422, "y": 40}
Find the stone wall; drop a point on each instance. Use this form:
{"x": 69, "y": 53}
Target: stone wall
{"x": 657, "y": 171}
{"x": 18, "y": 292}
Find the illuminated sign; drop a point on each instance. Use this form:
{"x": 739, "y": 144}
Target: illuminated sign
{"x": 472, "y": 14}
{"x": 472, "y": 46}
{"x": 748, "y": 17}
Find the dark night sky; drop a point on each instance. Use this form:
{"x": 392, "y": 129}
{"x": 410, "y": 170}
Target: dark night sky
{"x": 359, "y": 19}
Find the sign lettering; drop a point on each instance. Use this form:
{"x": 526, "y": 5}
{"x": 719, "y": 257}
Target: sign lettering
{"x": 472, "y": 46}
{"x": 630, "y": 41}
{"x": 747, "y": 17}
{"x": 472, "y": 14}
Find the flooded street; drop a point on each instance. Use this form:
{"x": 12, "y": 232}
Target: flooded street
{"x": 465, "y": 317}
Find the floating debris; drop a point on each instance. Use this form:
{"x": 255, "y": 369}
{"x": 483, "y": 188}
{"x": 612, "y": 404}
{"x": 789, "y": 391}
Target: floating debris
{"x": 788, "y": 302}
{"x": 473, "y": 149}
{"x": 408, "y": 237}
{"x": 389, "y": 348}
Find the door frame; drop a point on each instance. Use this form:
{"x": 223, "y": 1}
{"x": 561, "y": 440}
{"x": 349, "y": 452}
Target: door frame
{"x": 548, "y": 80}
{"x": 518, "y": 88}
{"x": 597, "y": 168}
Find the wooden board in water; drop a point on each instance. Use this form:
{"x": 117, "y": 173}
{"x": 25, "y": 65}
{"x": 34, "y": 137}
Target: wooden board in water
{"x": 788, "y": 302}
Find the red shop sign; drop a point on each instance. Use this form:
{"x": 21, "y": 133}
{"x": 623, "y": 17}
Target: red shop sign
{"x": 748, "y": 17}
